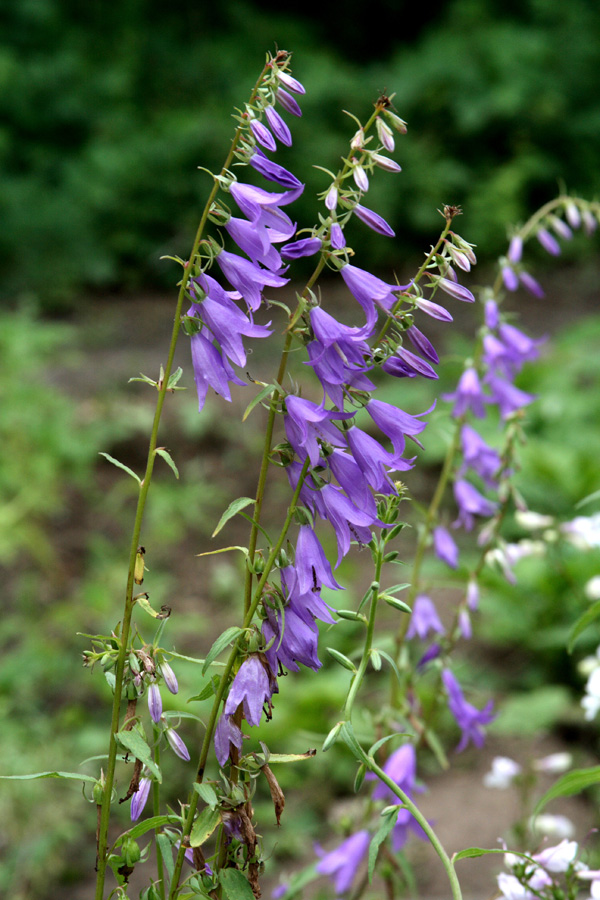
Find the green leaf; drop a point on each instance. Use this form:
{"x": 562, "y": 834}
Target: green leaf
{"x": 219, "y": 645}
{"x": 343, "y": 660}
{"x": 392, "y": 663}
{"x": 145, "y": 379}
{"x": 135, "y": 743}
{"x": 348, "y": 736}
{"x": 397, "y": 604}
{"x": 209, "y": 689}
{"x": 233, "y": 509}
{"x": 571, "y": 783}
{"x": 224, "y": 550}
{"x": 379, "y": 837}
{"x": 235, "y": 885}
{"x": 589, "y": 616}
{"x": 121, "y": 465}
{"x": 143, "y": 601}
{"x": 147, "y": 825}
{"x": 396, "y": 588}
{"x": 75, "y": 776}
{"x": 373, "y": 750}
{"x": 207, "y": 792}
{"x": 473, "y": 852}
{"x": 290, "y": 757}
{"x": 204, "y": 826}
{"x": 164, "y": 843}
{"x": 174, "y": 378}
{"x": 168, "y": 459}
{"x": 266, "y": 391}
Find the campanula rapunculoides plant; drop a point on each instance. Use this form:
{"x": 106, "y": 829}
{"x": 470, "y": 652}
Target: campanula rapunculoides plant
{"x": 340, "y": 448}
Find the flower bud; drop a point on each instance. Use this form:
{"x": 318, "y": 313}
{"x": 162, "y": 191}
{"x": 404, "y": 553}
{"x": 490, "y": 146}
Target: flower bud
{"x": 154, "y": 702}
{"x": 169, "y": 677}
{"x": 177, "y": 744}
{"x": 360, "y": 178}
{"x": 388, "y": 165}
{"x": 385, "y": 134}
{"x": 395, "y": 121}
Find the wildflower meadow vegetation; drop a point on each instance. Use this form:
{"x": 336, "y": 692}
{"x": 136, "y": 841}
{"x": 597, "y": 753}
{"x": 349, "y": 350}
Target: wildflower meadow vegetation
{"x": 343, "y": 571}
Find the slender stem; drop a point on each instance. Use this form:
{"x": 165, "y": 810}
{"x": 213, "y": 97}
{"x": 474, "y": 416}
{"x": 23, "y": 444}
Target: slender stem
{"x": 145, "y": 485}
{"x": 362, "y": 668}
{"x": 420, "y": 818}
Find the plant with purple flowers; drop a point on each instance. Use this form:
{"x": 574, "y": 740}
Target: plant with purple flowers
{"x": 340, "y": 447}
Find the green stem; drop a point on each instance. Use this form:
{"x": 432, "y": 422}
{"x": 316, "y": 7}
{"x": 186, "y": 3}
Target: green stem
{"x": 364, "y": 662}
{"x": 160, "y": 871}
{"x": 420, "y": 818}
{"x": 109, "y": 777}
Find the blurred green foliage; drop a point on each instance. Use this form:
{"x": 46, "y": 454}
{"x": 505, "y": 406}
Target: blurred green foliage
{"x": 106, "y": 117}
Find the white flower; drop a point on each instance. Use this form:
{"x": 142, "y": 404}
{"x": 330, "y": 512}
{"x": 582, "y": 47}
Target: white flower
{"x": 558, "y": 858}
{"x": 592, "y": 588}
{"x": 531, "y": 520}
{"x": 583, "y": 532}
{"x": 554, "y": 763}
{"x": 553, "y": 826}
{"x": 503, "y": 771}
{"x": 512, "y": 888}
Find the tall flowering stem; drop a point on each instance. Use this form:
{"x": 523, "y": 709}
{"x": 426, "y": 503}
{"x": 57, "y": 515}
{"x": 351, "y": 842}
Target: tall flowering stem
{"x": 163, "y": 388}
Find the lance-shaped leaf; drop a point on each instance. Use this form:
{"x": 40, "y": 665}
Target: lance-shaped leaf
{"x": 135, "y": 744}
{"x": 389, "y": 820}
{"x": 121, "y": 465}
{"x": 219, "y": 645}
{"x": 168, "y": 459}
{"x": 232, "y": 510}
{"x": 204, "y": 826}
{"x": 75, "y": 776}
{"x": 571, "y": 783}
{"x": 148, "y": 825}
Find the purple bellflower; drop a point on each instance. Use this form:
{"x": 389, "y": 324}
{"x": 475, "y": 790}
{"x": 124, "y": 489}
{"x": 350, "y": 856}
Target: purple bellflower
{"x": 292, "y": 643}
{"x": 264, "y": 207}
{"x": 433, "y": 309}
{"x": 177, "y": 745}
{"x": 338, "y": 241}
{"x": 253, "y": 239}
{"x": 272, "y": 171}
{"x": 374, "y": 221}
{"x": 480, "y": 457}
{"x": 140, "y": 798}
{"x": 401, "y": 767}
{"x": 424, "y": 619}
{"x": 262, "y": 135}
{"x": 342, "y": 863}
{"x": 453, "y": 289}
{"x": 303, "y": 247}
{"x": 469, "y": 719}
{"x": 312, "y": 566}
{"x": 227, "y": 734}
{"x": 405, "y": 364}
{"x": 248, "y": 278}
{"x": 169, "y": 677}
{"x": 445, "y": 547}
{"x": 370, "y": 290}
{"x": 253, "y": 686}
{"x": 278, "y": 126}
{"x": 508, "y": 397}
{"x": 374, "y": 461}
{"x": 468, "y": 396}
{"x": 396, "y": 423}
{"x": 531, "y": 285}
{"x": 305, "y": 423}
{"x": 211, "y": 369}
{"x": 154, "y": 702}
{"x": 548, "y": 242}
{"x": 422, "y": 344}
{"x": 470, "y": 503}
{"x": 289, "y": 103}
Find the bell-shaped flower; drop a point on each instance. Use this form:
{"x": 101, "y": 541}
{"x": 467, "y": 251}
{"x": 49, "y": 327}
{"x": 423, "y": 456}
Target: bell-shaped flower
{"x": 422, "y": 344}
{"x": 401, "y": 767}
{"x": 480, "y": 457}
{"x": 252, "y": 687}
{"x": 375, "y": 461}
{"x": 508, "y": 397}
{"x": 278, "y": 126}
{"x": 272, "y": 171}
{"x": 248, "y": 278}
{"x": 370, "y": 290}
{"x": 211, "y": 369}
{"x": 312, "y": 566}
{"x": 424, "y": 619}
{"x": 303, "y": 247}
{"x": 405, "y": 364}
{"x": 445, "y": 547}
{"x": 343, "y": 862}
{"x": 289, "y": 103}
{"x": 468, "y": 395}
{"x": 262, "y": 135}
{"x": 469, "y": 719}
{"x": 140, "y": 798}
{"x": 396, "y": 423}
{"x": 374, "y": 221}
{"x": 154, "y": 702}
{"x": 470, "y": 503}
{"x": 306, "y": 424}
{"x": 254, "y": 240}
{"x": 227, "y": 735}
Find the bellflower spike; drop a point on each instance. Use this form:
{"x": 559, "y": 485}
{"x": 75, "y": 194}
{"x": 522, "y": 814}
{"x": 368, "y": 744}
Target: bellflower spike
{"x": 253, "y": 686}
{"x": 470, "y": 503}
{"x": 278, "y": 126}
{"x": 304, "y": 247}
{"x": 445, "y": 547}
{"x": 140, "y": 798}
{"x": 342, "y": 863}
{"x": 274, "y": 172}
{"x": 469, "y": 719}
{"x": 374, "y": 221}
{"x": 424, "y": 619}
{"x": 468, "y": 396}
{"x": 262, "y": 135}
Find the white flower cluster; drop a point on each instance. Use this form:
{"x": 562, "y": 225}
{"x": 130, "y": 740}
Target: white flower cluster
{"x": 538, "y": 875}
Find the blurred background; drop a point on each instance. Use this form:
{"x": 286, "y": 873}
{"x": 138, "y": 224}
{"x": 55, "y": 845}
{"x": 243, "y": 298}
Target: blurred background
{"x": 107, "y": 110}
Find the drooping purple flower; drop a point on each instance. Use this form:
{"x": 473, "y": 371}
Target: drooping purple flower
{"x": 405, "y": 364}
{"x": 343, "y": 862}
{"x": 515, "y": 249}
{"x": 470, "y": 503}
{"x": 154, "y": 702}
{"x": 480, "y": 457}
{"x": 348, "y": 521}
{"x": 293, "y": 640}
{"x": 368, "y": 290}
{"x": 401, "y": 767}
{"x": 374, "y": 221}
{"x": 140, "y": 798}
{"x": 169, "y": 677}
{"x": 510, "y": 278}
{"x": 464, "y": 624}
{"x": 396, "y": 423}
{"x": 312, "y": 566}
{"x": 263, "y": 207}
{"x": 469, "y": 719}
{"x": 400, "y": 831}
{"x": 248, "y": 278}
{"x": 433, "y": 309}
{"x": 253, "y": 239}
{"x": 338, "y": 371}
{"x": 227, "y": 734}
{"x": 177, "y": 745}
{"x": 306, "y": 423}
{"x": 289, "y": 103}
{"x": 211, "y": 369}
{"x": 548, "y": 242}
{"x": 422, "y": 343}
{"x": 468, "y": 395}
{"x": 303, "y": 247}
{"x": 374, "y": 461}
{"x": 531, "y": 285}
{"x": 308, "y": 605}
{"x": 290, "y": 82}
{"x": 458, "y": 291}
{"x": 253, "y": 686}
{"x": 227, "y": 322}
{"x": 278, "y": 126}
{"x": 492, "y": 314}
{"x": 351, "y": 478}
{"x": 519, "y": 347}
{"x": 508, "y": 397}
{"x": 445, "y": 547}
{"x": 272, "y": 171}
{"x": 262, "y": 135}
{"x": 424, "y": 619}
{"x": 338, "y": 241}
